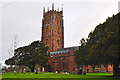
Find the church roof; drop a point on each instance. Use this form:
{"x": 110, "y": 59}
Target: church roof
{"x": 74, "y": 47}
{"x": 64, "y": 50}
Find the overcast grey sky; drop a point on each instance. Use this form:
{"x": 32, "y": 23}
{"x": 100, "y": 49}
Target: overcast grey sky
{"x": 24, "y": 19}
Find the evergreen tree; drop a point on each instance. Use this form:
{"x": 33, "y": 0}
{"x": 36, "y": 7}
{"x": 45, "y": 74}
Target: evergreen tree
{"x": 34, "y": 53}
{"x": 102, "y": 45}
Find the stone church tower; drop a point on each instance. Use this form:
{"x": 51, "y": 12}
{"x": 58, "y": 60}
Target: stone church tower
{"x": 52, "y": 29}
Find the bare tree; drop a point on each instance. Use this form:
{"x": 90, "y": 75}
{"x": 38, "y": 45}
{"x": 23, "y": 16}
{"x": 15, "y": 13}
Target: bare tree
{"x": 14, "y": 45}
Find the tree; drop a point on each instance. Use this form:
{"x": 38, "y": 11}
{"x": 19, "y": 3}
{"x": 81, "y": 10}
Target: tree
{"x": 80, "y": 54}
{"x": 107, "y": 46}
{"x": 11, "y": 51}
{"x": 102, "y": 45}
{"x": 34, "y": 53}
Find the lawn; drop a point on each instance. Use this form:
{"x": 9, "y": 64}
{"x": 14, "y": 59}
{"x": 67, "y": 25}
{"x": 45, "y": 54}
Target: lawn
{"x": 0, "y": 77}
{"x": 53, "y": 76}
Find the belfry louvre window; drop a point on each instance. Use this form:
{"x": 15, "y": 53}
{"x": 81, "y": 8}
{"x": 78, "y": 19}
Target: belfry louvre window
{"x": 58, "y": 42}
{"x": 58, "y": 30}
{"x": 46, "y": 30}
{"x": 57, "y": 21}
{"x": 60, "y": 22}
{"x": 52, "y": 46}
{"x": 47, "y": 41}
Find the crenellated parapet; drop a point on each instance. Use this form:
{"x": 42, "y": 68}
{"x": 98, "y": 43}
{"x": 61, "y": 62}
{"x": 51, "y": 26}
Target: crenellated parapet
{"x": 52, "y": 11}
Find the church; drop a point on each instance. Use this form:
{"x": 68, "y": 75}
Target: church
{"x": 60, "y": 59}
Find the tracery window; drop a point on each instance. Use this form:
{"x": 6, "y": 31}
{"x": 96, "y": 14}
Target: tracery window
{"x": 47, "y": 41}
{"x": 58, "y": 42}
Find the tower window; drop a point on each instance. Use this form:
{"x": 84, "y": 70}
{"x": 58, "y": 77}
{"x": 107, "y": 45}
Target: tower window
{"x": 47, "y": 41}
{"x": 52, "y": 46}
{"x": 57, "y": 21}
{"x": 58, "y": 42}
{"x": 46, "y": 30}
{"x": 60, "y": 23}
{"x": 58, "y": 30}
{"x": 52, "y": 33}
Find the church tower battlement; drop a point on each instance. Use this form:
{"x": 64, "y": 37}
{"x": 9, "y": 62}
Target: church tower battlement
{"x": 53, "y": 29}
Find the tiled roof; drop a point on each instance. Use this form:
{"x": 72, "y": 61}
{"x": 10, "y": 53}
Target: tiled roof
{"x": 75, "y": 47}
{"x": 64, "y": 50}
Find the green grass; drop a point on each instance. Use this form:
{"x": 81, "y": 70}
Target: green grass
{"x": 58, "y": 76}
{"x": 0, "y": 77}
{"x": 53, "y": 75}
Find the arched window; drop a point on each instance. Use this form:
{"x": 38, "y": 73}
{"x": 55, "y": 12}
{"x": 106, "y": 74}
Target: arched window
{"x": 60, "y": 22}
{"x": 46, "y": 41}
{"x": 65, "y": 65}
{"x": 48, "y": 21}
{"x": 57, "y": 21}
{"x": 52, "y": 46}
{"x": 58, "y": 30}
{"x": 58, "y": 42}
{"x": 46, "y": 30}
